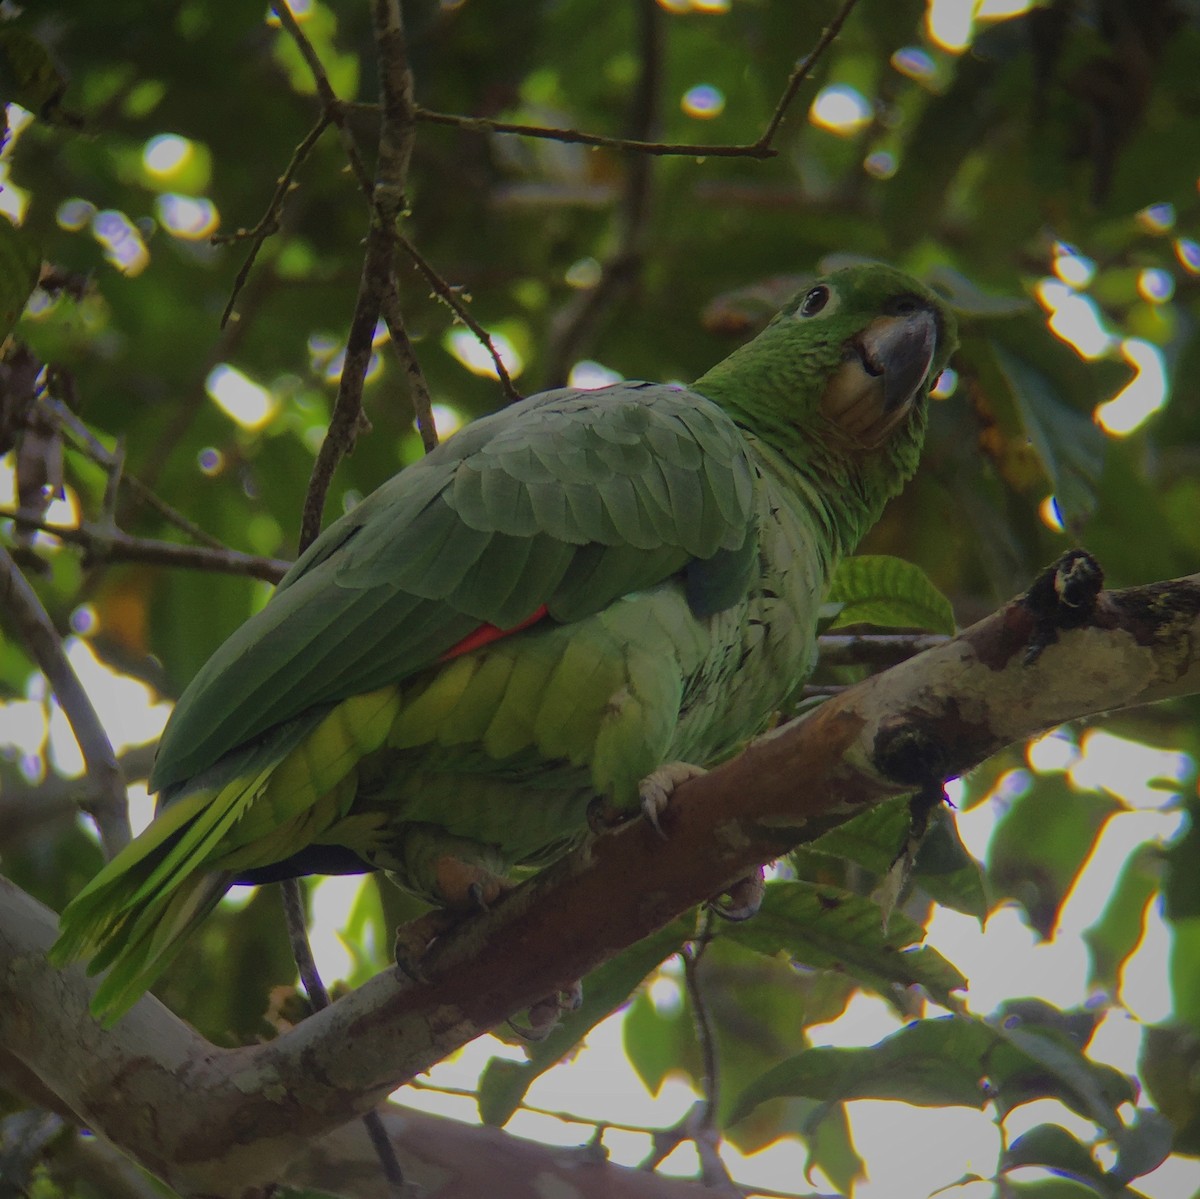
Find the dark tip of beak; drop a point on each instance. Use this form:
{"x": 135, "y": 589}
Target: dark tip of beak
{"x": 900, "y": 348}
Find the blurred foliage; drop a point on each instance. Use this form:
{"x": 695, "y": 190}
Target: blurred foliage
{"x": 1038, "y": 175}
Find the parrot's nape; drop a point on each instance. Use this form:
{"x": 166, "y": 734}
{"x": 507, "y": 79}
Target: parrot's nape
{"x": 557, "y": 602}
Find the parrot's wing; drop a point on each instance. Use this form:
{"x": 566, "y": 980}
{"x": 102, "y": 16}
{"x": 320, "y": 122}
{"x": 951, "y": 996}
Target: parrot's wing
{"x": 552, "y": 508}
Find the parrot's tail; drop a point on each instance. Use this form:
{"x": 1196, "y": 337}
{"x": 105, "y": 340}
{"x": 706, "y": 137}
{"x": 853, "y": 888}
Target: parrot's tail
{"x": 135, "y": 914}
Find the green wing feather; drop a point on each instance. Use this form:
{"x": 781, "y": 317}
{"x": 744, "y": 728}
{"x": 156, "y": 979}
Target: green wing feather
{"x": 569, "y": 499}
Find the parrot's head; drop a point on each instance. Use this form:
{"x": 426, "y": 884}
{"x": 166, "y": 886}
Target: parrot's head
{"x": 839, "y": 381}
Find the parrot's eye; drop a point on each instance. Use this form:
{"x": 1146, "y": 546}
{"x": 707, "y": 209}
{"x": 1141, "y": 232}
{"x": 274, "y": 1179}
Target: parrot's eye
{"x": 814, "y": 301}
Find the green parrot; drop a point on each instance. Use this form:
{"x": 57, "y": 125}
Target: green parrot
{"x": 547, "y": 612}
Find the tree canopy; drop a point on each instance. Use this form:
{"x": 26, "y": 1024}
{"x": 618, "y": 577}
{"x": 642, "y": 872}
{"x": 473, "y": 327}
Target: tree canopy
{"x": 253, "y": 260}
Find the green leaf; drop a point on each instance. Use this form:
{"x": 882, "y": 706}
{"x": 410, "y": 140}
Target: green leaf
{"x": 1041, "y": 844}
{"x": 944, "y": 868}
{"x": 20, "y": 264}
{"x": 1055, "y": 1188}
{"x": 28, "y": 73}
{"x": 829, "y": 928}
{"x": 1144, "y": 1146}
{"x": 1035, "y": 1063}
{"x": 503, "y": 1084}
{"x": 931, "y": 1063}
{"x": 1169, "y": 1064}
{"x": 1115, "y": 935}
{"x": 889, "y": 592}
{"x": 1053, "y": 1146}
{"x": 1070, "y": 444}
{"x": 655, "y": 1038}
{"x": 1184, "y": 970}
{"x": 952, "y": 1061}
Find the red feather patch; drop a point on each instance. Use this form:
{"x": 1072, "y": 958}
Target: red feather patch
{"x": 487, "y": 633}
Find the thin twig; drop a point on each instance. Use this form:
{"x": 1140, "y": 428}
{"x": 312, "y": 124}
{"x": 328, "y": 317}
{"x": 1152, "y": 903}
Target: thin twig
{"x": 803, "y": 70}
{"x": 108, "y": 809}
{"x": 702, "y": 1022}
{"x": 418, "y": 387}
{"x": 445, "y": 293}
{"x": 173, "y": 516}
{"x": 760, "y": 148}
{"x": 102, "y": 544}
{"x": 578, "y": 137}
{"x": 297, "y": 925}
{"x": 269, "y": 222}
{"x": 331, "y": 106}
{"x": 112, "y": 462}
{"x": 577, "y": 322}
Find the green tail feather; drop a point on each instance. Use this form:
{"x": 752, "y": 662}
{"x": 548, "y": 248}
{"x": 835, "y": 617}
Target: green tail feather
{"x": 148, "y": 941}
{"x": 136, "y": 913}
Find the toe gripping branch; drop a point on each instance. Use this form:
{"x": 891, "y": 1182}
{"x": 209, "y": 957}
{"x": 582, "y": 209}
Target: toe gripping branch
{"x": 1062, "y": 597}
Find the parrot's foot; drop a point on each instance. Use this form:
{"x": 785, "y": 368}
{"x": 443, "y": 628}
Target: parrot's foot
{"x": 656, "y": 789}
{"x": 464, "y": 888}
{"x": 545, "y": 1014}
{"x": 743, "y": 899}
{"x": 414, "y": 939}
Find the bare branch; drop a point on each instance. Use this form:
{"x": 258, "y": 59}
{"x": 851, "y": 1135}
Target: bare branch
{"x": 112, "y": 545}
{"x": 107, "y": 806}
{"x": 578, "y": 137}
{"x": 269, "y": 222}
{"x": 446, "y": 294}
{"x": 760, "y": 148}
{"x": 331, "y": 105}
{"x": 418, "y": 387}
{"x": 803, "y": 70}
{"x": 204, "y": 1117}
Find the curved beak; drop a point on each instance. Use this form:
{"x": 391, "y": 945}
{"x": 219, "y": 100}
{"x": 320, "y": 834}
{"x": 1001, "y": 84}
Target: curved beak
{"x": 883, "y": 369}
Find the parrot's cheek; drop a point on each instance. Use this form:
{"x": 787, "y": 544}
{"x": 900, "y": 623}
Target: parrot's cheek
{"x": 883, "y": 371}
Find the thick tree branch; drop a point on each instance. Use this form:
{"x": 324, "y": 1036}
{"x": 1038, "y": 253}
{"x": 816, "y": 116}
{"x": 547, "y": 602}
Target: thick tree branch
{"x": 39, "y": 636}
{"x": 203, "y": 1116}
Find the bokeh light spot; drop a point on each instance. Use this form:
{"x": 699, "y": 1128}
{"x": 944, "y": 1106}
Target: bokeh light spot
{"x": 474, "y": 355}
{"x": 1072, "y": 267}
{"x": 950, "y": 24}
{"x": 841, "y": 109}
{"x": 1144, "y": 395}
{"x": 703, "y": 102}
{"x": 75, "y": 214}
{"x": 1155, "y": 285}
{"x": 1075, "y": 318}
{"x": 165, "y": 154}
{"x": 1051, "y": 516}
{"x": 913, "y": 62}
{"x": 446, "y": 420}
{"x": 210, "y": 460}
{"x": 584, "y": 273}
{"x": 946, "y": 385}
{"x": 1157, "y": 218}
{"x": 188, "y": 217}
{"x": 1188, "y": 253}
{"x": 588, "y": 375}
{"x": 239, "y": 397}
{"x": 84, "y": 621}
{"x": 880, "y": 164}
{"x": 122, "y": 242}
